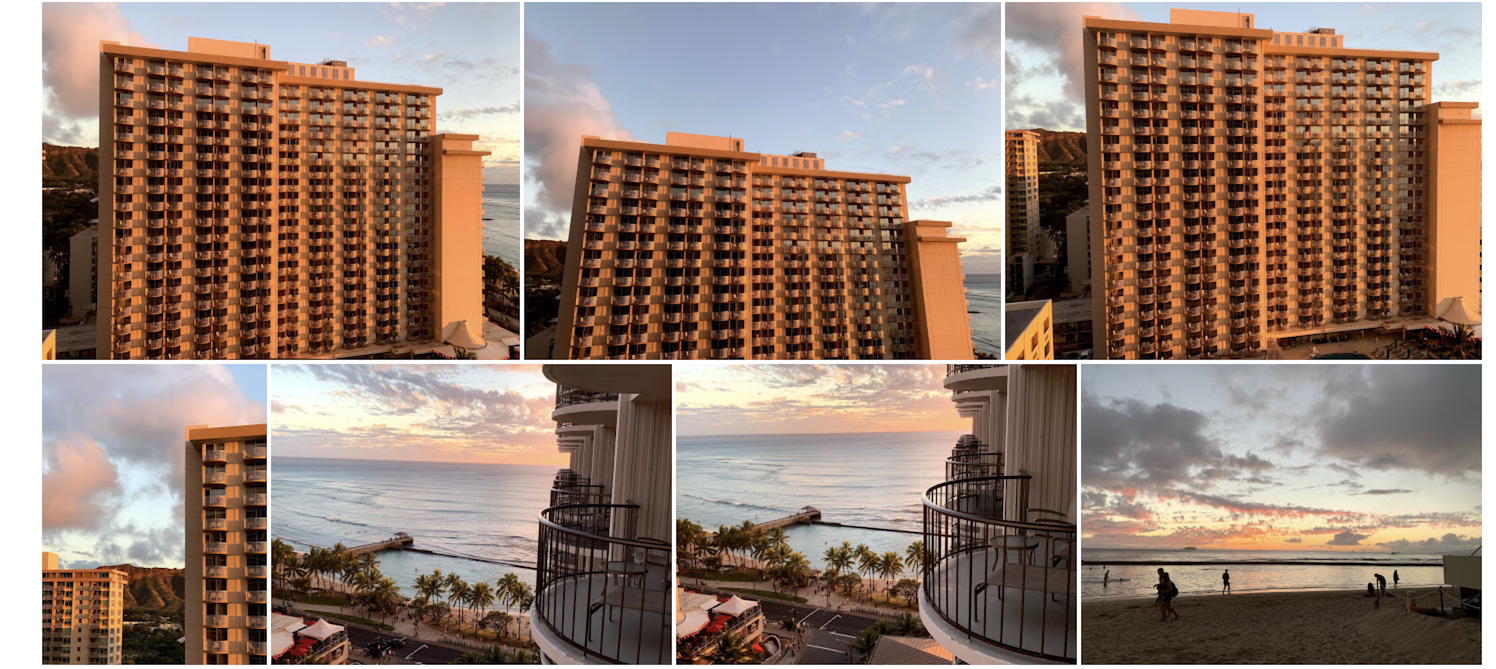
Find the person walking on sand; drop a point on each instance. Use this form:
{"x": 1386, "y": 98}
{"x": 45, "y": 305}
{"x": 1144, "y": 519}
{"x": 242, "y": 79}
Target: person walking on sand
{"x": 1106, "y": 578}
{"x": 1381, "y": 584}
{"x": 1226, "y": 582}
{"x": 1394, "y": 578}
{"x": 1167, "y": 591}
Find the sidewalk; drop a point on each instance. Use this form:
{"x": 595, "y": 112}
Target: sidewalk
{"x": 405, "y": 625}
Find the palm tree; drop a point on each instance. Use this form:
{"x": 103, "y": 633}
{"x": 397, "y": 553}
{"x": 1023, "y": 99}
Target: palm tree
{"x": 890, "y": 567}
{"x": 908, "y": 624}
{"x": 915, "y": 557}
{"x": 839, "y": 558}
{"x": 481, "y": 596}
{"x": 866, "y": 641}
{"x": 796, "y": 569}
{"x": 732, "y": 648}
{"x": 524, "y": 598}
{"x": 457, "y": 591}
{"x": 867, "y": 560}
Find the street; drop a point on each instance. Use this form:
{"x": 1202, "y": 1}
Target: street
{"x": 827, "y": 632}
{"x": 415, "y": 651}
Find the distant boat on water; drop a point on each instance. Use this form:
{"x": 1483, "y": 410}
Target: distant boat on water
{"x": 1189, "y": 548}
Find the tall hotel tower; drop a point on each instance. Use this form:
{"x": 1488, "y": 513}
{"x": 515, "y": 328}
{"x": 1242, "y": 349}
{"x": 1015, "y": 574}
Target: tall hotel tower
{"x": 83, "y": 614}
{"x": 1025, "y": 238}
{"x": 1249, "y": 186}
{"x": 699, "y": 249}
{"x": 227, "y": 598}
{"x": 255, "y": 208}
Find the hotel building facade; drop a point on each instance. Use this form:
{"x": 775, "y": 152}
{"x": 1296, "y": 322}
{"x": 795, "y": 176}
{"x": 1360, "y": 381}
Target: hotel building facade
{"x": 700, "y": 249}
{"x": 83, "y": 614}
{"x": 256, "y": 208}
{"x": 1025, "y": 237}
{"x": 1249, "y": 186}
{"x": 227, "y": 597}
{"x": 604, "y": 577}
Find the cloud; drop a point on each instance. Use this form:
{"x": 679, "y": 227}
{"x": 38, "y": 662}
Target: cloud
{"x": 1294, "y": 540}
{"x": 1386, "y": 491}
{"x": 1053, "y": 33}
{"x": 899, "y": 102}
{"x": 71, "y": 33}
{"x": 981, "y": 84}
{"x": 849, "y": 135}
{"x": 1404, "y": 417}
{"x": 923, "y": 73}
{"x": 381, "y": 41}
{"x": 1130, "y": 444}
{"x": 991, "y": 194}
{"x": 464, "y": 113}
{"x": 563, "y": 105}
{"x": 77, "y": 480}
{"x": 980, "y": 32}
{"x": 1449, "y": 543}
{"x": 1347, "y": 538}
{"x": 1457, "y": 89}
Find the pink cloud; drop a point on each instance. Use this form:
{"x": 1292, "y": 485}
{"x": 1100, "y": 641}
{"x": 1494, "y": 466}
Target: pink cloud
{"x": 78, "y": 476}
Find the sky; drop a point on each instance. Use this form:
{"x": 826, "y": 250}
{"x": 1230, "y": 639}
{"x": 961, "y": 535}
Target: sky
{"x": 879, "y": 88}
{"x": 811, "y": 399}
{"x": 470, "y": 50}
{"x": 421, "y": 413}
{"x": 1282, "y": 457}
{"x": 113, "y": 454}
{"x": 1044, "y": 66}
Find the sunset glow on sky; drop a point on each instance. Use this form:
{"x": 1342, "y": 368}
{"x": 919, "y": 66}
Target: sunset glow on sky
{"x": 804, "y": 399}
{"x": 427, "y": 413}
{"x": 1279, "y": 457}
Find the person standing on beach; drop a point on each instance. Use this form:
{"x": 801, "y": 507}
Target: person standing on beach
{"x": 1106, "y": 578}
{"x": 1394, "y": 578}
{"x": 1167, "y": 591}
{"x": 1226, "y": 582}
{"x": 1381, "y": 584}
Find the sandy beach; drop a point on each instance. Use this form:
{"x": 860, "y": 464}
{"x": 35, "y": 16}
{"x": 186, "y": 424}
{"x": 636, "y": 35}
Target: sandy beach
{"x": 1274, "y": 628}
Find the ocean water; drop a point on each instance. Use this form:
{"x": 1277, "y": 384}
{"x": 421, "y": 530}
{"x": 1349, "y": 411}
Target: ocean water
{"x": 480, "y": 520}
{"x": 873, "y": 480}
{"x": 1279, "y": 571}
{"x": 984, "y": 296}
{"x": 501, "y": 233}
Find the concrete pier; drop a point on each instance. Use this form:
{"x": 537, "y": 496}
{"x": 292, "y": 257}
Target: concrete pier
{"x": 400, "y": 540}
{"x": 806, "y": 515}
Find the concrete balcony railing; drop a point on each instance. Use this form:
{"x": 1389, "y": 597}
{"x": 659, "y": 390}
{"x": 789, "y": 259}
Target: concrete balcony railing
{"x": 216, "y": 596}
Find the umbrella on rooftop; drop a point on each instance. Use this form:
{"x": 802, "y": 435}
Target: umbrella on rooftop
{"x": 1456, "y": 314}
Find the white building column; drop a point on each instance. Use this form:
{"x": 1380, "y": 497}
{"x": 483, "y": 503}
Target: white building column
{"x": 642, "y": 472}
{"x": 1041, "y": 435}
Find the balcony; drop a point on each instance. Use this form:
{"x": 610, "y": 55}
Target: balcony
{"x": 998, "y": 586}
{"x": 603, "y": 594}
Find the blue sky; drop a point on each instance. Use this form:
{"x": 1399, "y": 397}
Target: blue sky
{"x": 1324, "y": 457}
{"x": 1044, "y": 54}
{"x": 113, "y": 453}
{"x": 883, "y": 88}
{"x": 470, "y": 50}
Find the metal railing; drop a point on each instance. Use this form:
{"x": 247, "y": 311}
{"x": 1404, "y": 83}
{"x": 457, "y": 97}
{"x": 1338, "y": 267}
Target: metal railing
{"x": 600, "y": 588}
{"x": 958, "y": 369}
{"x": 567, "y": 396}
{"x": 973, "y": 464}
{"x": 997, "y": 571}
{"x": 566, "y": 494}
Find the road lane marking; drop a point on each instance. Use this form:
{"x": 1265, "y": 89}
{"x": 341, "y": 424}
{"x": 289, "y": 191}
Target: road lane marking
{"x": 413, "y": 653}
{"x": 833, "y": 619}
{"x": 842, "y": 651}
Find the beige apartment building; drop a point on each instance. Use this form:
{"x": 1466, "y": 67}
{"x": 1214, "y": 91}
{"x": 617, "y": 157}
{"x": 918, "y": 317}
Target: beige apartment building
{"x": 228, "y": 546}
{"x": 700, "y": 249}
{"x": 1250, "y": 186}
{"x": 1025, "y": 237}
{"x": 83, "y": 614}
{"x": 257, "y": 208}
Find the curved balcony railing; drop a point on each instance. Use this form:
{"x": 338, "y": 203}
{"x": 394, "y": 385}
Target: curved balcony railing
{"x": 600, "y": 588}
{"x": 576, "y": 493}
{"x": 999, "y": 572}
{"x": 957, "y": 369}
{"x": 973, "y": 464}
{"x": 567, "y": 396}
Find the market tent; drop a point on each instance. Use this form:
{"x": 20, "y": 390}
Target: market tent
{"x": 321, "y": 630}
{"x": 693, "y": 622}
{"x": 735, "y": 606}
{"x": 280, "y": 641}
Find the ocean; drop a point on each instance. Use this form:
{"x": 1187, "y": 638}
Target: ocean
{"x": 501, "y": 233}
{"x": 873, "y": 480}
{"x": 984, "y": 296}
{"x": 480, "y": 520}
{"x": 1282, "y": 570}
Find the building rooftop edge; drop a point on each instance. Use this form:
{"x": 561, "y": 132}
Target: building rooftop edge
{"x": 753, "y": 156}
